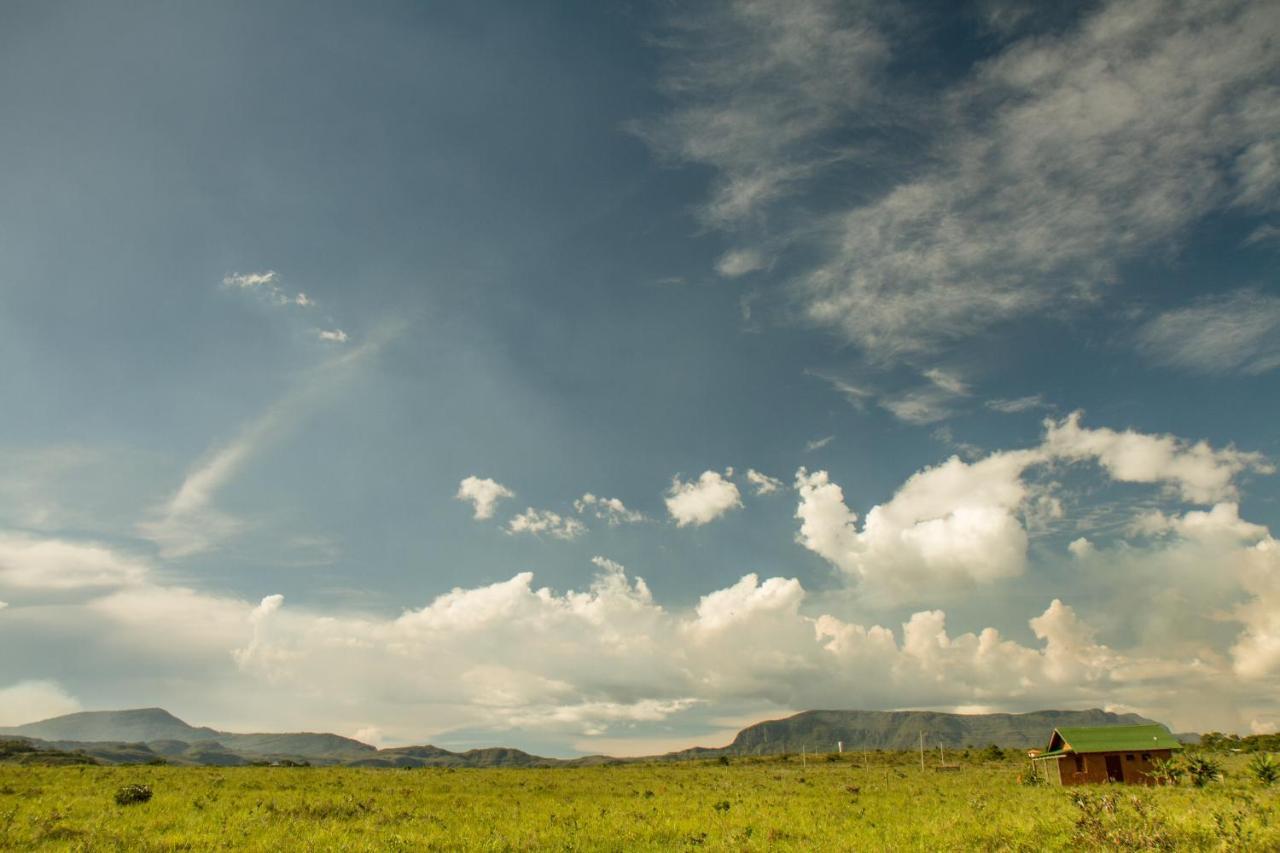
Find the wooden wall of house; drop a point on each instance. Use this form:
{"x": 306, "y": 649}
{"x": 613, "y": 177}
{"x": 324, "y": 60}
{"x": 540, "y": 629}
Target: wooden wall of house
{"x": 1136, "y": 767}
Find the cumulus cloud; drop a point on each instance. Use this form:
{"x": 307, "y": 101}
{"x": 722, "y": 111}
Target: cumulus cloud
{"x": 510, "y": 655}
{"x": 703, "y": 500}
{"x": 483, "y": 494}
{"x": 610, "y": 510}
{"x": 1197, "y": 471}
{"x": 950, "y": 526}
{"x": 539, "y": 521}
{"x": 1237, "y": 332}
{"x": 1081, "y": 548}
{"x": 764, "y": 484}
{"x": 31, "y": 701}
{"x": 58, "y": 564}
{"x": 962, "y": 523}
{"x": 513, "y": 654}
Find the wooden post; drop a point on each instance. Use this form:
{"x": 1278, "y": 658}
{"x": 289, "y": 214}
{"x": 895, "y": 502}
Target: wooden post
{"x": 922, "y": 750}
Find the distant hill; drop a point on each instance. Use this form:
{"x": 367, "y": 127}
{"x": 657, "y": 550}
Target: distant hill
{"x": 137, "y": 725}
{"x": 820, "y": 731}
{"x": 167, "y": 736}
{"x": 152, "y": 735}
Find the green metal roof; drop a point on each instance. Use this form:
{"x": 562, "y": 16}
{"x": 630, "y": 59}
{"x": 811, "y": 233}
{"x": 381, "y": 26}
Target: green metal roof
{"x": 1112, "y": 739}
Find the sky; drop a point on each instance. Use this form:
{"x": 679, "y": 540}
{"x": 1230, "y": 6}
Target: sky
{"x": 603, "y": 377}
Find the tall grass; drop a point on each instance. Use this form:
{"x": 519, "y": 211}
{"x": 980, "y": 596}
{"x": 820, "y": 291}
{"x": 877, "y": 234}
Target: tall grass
{"x": 849, "y": 802}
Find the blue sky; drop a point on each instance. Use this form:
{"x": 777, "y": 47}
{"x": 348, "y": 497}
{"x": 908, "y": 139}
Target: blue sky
{"x": 913, "y": 355}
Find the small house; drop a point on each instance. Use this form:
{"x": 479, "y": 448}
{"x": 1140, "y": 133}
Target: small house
{"x": 1081, "y": 756}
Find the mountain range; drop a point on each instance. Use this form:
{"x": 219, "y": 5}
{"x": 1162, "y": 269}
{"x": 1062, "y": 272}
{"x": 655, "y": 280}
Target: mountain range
{"x": 153, "y": 735}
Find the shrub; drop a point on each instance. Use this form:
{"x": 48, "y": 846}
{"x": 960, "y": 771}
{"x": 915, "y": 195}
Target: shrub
{"x": 131, "y": 794}
{"x": 992, "y": 753}
{"x": 1167, "y": 772}
{"x": 1203, "y": 770}
{"x": 1264, "y": 768}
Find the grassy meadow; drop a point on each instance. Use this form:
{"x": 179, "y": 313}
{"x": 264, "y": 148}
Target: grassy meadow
{"x": 882, "y": 801}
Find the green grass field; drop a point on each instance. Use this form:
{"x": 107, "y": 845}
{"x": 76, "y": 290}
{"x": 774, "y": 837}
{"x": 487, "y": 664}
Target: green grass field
{"x": 773, "y": 804}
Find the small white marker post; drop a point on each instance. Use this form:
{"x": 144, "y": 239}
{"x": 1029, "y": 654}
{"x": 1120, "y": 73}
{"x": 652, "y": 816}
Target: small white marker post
{"x": 840, "y": 747}
{"x": 922, "y": 751}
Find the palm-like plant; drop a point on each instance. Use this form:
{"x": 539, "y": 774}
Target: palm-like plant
{"x": 1167, "y": 771}
{"x": 1203, "y": 770}
{"x": 1265, "y": 768}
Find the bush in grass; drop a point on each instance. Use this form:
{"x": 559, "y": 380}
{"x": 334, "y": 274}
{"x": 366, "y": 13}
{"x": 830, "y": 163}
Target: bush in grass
{"x": 1265, "y": 768}
{"x": 131, "y": 794}
{"x": 1203, "y": 770}
{"x": 1167, "y": 771}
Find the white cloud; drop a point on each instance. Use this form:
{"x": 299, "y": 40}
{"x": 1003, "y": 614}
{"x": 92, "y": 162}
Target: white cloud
{"x": 371, "y": 735}
{"x": 188, "y": 523}
{"x": 1046, "y": 168}
{"x": 1240, "y": 331}
{"x": 336, "y": 336}
{"x": 509, "y": 655}
{"x": 538, "y": 521}
{"x": 248, "y": 281}
{"x": 740, "y": 262}
{"x": 51, "y": 564}
{"x": 818, "y": 443}
{"x": 1200, "y": 473}
{"x": 268, "y": 286}
{"x": 484, "y": 494}
{"x": 31, "y": 701}
{"x": 1265, "y": 233}
{"x": 610, "y": 510}
{"x": 919, "y": 404}
{"x": 758, "y": 85}
{"x": 1017, "y": 404}
{"x": 964, "y": 523}
{"x": 765, "y": 485}
{"x": 1066, "y": 156}
{"x": 929, "y": 403}
{"x": 701, "y": 501}
{"x": 1081, "y": 548}
{"x": 947, "y": 527}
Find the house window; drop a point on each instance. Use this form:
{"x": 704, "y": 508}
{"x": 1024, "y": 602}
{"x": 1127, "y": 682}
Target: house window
{"x": 1129, "y": 757}
{"x": 1146, "y": 756}
{"x": 1079, "y": 763}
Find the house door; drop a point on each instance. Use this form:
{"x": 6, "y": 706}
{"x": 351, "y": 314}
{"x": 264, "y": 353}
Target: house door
{"x": 1115, "y": 771}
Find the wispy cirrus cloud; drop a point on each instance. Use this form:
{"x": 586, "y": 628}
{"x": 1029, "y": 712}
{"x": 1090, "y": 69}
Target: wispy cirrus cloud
{"x": 189, "y": 522}
{"x": 758, "y": 86}
{"x": 1015, "y": 405}
{"x": 1236, "y": 332}
{"x": 1053, "y": 162}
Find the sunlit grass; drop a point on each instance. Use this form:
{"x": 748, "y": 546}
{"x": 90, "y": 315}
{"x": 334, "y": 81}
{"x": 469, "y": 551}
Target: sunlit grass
{"x": 775, "y": 804}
